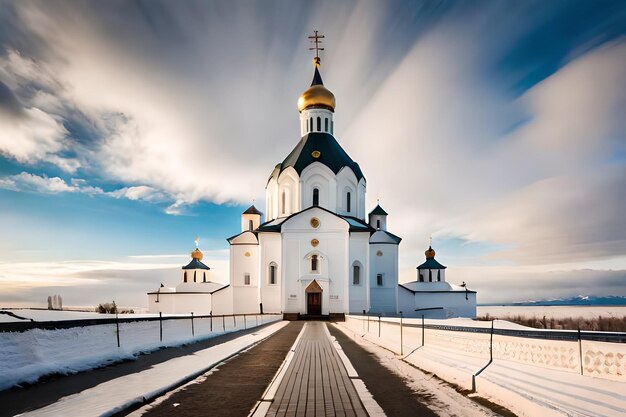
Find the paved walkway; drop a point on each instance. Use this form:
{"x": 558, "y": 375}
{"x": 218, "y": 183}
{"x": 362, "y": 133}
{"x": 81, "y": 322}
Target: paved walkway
{"x": 316, "y": 382}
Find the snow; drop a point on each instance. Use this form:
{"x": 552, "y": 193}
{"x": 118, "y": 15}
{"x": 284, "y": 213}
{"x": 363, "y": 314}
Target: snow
{"x": 118, "y": 394}
{"x": 29, "y": 355}
{"x": 531, "y": 377}
{"x": 557, "y": 312}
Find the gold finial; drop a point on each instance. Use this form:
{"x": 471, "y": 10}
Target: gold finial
{"x": 315, "y": 39}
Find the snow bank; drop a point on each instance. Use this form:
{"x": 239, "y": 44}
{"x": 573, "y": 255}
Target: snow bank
{"x": 121, "y": 393}
{"x": 29, "y": 355}
{"x": 529, "y": 376}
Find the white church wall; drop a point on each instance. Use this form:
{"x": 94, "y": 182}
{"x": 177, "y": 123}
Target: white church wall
{"x": 346, "y": 182}
{"x": 244, "y": 261}
{"x": 223, "y": 301}
{"x": 332, "y": 252}
{"x": 443, "y": 305}
{"x": 318, "y": 175}
{"x": 271, "y": 199}
{"x": 384, "y": 260}
{"x": 359, "y": 255}
{"x": 270, "y": 253}
{"x": 361, "y": 190}
{"x": 288, "y": 183}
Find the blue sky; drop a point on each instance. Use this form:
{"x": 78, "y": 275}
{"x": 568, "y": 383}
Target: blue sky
{"x": 129, "y": 128}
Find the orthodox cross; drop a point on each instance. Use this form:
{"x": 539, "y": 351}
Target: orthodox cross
{"x": 316, "y": 39}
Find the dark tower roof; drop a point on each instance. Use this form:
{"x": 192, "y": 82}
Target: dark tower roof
{"x": 317, "y": 78}
{"x": 378, "y": 210}
{"x": 195, "y": 264}
{"x": 252, "y": 210}
{"x": 327, "y": 150}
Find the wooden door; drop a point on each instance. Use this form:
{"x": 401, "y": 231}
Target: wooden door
{"x": 314, "y": 303}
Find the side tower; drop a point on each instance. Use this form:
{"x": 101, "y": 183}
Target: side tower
{"x": 244, "y": 263}
{"x": 383, "y": 280}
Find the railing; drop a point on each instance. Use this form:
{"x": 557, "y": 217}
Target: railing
{"x": 219, "y": 320}
{"x": 601, "y": 354}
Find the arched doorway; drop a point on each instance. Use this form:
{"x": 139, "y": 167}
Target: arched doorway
{"x": 313, "y": 299}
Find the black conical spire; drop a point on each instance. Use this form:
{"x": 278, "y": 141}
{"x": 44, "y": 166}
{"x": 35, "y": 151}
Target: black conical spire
{"x": 317, "y": 78}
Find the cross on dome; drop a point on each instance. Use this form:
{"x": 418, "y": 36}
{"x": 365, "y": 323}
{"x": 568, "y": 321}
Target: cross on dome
{"x": 315, "y": 39}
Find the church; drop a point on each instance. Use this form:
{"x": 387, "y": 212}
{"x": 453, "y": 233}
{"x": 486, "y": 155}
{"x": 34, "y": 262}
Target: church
{"x": 317, "y": 251}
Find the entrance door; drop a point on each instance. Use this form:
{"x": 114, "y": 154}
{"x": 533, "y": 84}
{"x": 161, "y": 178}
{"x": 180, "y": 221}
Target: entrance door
{"x": 314, "y": 303}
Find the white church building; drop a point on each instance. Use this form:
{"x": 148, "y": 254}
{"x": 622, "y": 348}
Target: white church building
{"x": 317, "y": 251}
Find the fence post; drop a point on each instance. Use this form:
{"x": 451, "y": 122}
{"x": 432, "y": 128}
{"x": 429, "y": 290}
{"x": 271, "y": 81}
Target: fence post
{"x": 368, "y": 322}
{"x": 117, "y": 326}
{"x": 580, "y": 351}
{"x": 378, "y": 324}
{"x": 223, "y": 323}
{"x": 211, "y": 320}
{"x": 244, "y": 322}
{"x": 422, "y": 330}
{"x": 193, "y": 333}
{"x": 234, "y": 322}
{"x": 256, "y": 318}
{"x": 160, "y": 326}
{"x": 401, "y": 346}
{"x": 363, "y": 322}
{"x": 491, "y": 343}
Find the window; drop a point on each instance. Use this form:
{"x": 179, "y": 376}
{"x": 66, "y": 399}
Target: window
{"x": 314, "y": 263}
{"x": 311, "y": 120}
{"x": 430, "y": 275}
{"x": 439, "y": 275}
{"x": 272, "y": 274}
{"x": 204, "y": 277}
{"x": 250, "y": 225}
{"x": 316, "y": 197}
{"x": 185, "y": 277}
{"x": 284, "y": 199}
{"x": 319, "y": 124}
{"x": 379, "y": 280}
{"x": 378, "y": 224}
{"x": 326, "y": 124}
{"x": 246, "y": 279}
{"x": 194, "y": 276}
{"x": 348, "y": 201}
{"x": 421, "y": 277}
{"x": 356, "y": 275}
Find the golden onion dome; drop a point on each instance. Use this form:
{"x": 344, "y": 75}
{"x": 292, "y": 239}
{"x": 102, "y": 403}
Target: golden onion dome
{"x": 430, "y": 253}
{"x": 197, "y": 254}
{"x": 317, "y": 95}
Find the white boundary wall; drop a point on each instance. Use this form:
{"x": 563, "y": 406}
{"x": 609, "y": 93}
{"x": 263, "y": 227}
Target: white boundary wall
{"x": 600, "y": 359}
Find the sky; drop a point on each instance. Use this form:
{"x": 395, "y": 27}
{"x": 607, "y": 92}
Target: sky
{"x": 128, "y": 128}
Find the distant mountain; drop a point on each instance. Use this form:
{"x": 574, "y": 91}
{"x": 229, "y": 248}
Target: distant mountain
{"x": 581, "y": 300}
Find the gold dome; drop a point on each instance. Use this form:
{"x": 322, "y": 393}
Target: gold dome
{"x": 197, "y": 254}
{"x": 430, "y": 253}
{"x": 316, "y": 96}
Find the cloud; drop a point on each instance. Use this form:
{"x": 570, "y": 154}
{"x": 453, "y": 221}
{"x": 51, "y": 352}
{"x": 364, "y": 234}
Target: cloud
{"x": 43, "y": 184}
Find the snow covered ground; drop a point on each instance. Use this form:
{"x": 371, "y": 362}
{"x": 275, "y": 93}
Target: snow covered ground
{"x": 556, "y": 312}
{"x": 531, "y": 377}
{"x": 27, "y": 356}
{"x": 118, "y": 394}
{"x": 56, "y": 315}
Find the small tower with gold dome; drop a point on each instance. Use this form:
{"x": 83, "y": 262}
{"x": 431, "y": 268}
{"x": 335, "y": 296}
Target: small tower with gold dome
{"x": 195, "y": 271}
{"x": 431, "y": 270}
{"x": 317, "y": 104}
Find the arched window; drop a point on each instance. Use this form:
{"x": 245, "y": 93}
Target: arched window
{"x": 204, "y": 277}
{"x": 314, "y": 263}
{"x": 319, "y": 124}
{"x": 246, "y": 279}
{"x": 421, "y": 277}
{"x": 194, "y": 276}
{"x": 348, "y": 201}
{"x": 430, "y": 275}
{"x": 439, "y": 275}
{"x": 283, "y": 201}
{"x": 316, "y": 197}
{"x": 356, "y": 275}
{"x": 185, "y": 277}
{"x": 250, "y": 225}
{"x": 311, "y": 120}
{"x": 378, "y": 224}
{"x": 272, "y": 274}
{"x": 379, "y": 280}
{"x": 326, "y": 124}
